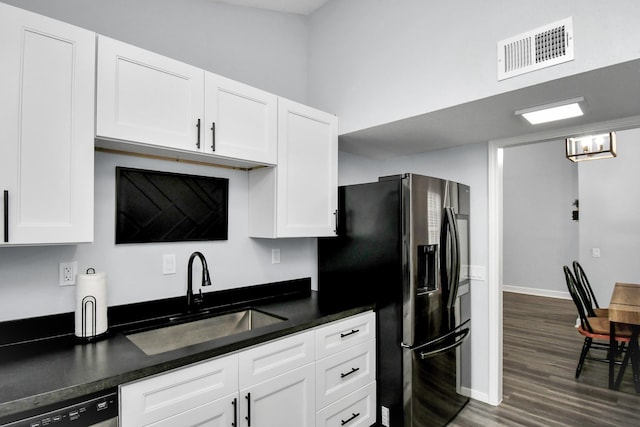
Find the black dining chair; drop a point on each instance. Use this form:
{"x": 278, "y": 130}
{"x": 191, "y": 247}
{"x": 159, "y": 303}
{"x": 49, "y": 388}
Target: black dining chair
{"x": 592, "y": 307}
{"x": 592, "y": 327}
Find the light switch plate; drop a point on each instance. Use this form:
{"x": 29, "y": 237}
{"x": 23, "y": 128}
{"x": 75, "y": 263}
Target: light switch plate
{"x": 275, "y": 256}
{"x": 169, "y": 264}
{"x": 476, "y": 272}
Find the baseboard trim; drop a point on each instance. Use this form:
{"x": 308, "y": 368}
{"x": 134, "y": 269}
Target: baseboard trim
{"x": 476, "y": 395}
{"x": 537, "y": 292}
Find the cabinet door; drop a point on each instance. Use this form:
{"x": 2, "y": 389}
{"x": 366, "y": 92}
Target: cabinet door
{"x": 240, "y": 121}
{"x": 164, "y": 396}
{"x": 46, "y": 120}
{"x": 307, "y": 172}
{"x": 284, "y": 401}
{"x": 219, "y": 413}
{"x": 148, "y": 98}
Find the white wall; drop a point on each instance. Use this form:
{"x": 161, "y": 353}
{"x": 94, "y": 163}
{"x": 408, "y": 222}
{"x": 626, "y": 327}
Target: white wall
{"x": 261, "y": 48}
{"x": 353, "y": 169}
{"x": 29, "y": 275}
{"x": 609, "y": 217}
{"x": 539, "y": 236}
{"x": 467, "y": 165}
{"x": 373, "y": 62}
{"x": 264, "y": 49}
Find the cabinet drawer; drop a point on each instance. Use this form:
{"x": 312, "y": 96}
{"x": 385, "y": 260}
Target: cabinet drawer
{"x": 340, "y": 335}
{"x": 345, "y": 372}
{"x": 219, "y": 413}
{"x": 153, "y": 399}
{"x": 275, "y": 358}
{"x": 357, "y": 409}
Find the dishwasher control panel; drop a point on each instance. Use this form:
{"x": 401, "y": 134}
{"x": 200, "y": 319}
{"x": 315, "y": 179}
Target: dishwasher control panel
{"x": 85, "y": 413}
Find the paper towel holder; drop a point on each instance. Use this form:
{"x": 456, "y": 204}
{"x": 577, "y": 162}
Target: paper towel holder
{"x": 88, "y": 307}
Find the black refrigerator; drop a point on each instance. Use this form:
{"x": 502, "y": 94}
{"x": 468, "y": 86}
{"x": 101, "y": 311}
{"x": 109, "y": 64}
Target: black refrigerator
{"x": 403, "y": 245}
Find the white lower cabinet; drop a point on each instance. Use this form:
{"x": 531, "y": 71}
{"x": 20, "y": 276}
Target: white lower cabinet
{"x": 346, "y": 372}
{"x": 277, "y": 384}
{"x": 270, "y": 385}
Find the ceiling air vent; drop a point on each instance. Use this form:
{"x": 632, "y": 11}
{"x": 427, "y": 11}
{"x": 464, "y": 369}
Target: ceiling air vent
{"x": 540, "y": 48}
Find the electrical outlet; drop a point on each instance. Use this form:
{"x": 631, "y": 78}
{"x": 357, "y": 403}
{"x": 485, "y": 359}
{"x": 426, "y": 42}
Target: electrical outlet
{"x": 385, "y": 416}
{"x": 67, "y": 272}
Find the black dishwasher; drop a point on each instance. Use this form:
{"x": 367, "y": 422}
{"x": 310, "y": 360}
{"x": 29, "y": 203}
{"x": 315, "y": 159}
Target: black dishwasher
{"x": 99, "y": 409}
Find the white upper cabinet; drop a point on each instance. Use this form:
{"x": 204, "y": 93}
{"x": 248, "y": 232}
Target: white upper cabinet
{"x": 148, "y": 98}
{"x": 47, "y": 81}
{"x": 154, "y": 101}
{"x": 298, "y": 198}
{"x": 240, "y": 121}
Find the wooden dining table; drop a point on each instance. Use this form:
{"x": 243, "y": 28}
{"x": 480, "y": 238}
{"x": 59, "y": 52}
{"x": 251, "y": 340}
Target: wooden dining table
{"x": 625, "y": 308}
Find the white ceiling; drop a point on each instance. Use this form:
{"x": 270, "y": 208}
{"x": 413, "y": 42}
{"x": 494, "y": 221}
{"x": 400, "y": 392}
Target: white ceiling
{"x": 301, "y": 7}
{"x": 610, "y": 93}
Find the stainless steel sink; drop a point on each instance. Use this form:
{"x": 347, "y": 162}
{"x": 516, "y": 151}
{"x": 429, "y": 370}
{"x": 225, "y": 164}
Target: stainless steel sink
{"x": 173, "y": 337}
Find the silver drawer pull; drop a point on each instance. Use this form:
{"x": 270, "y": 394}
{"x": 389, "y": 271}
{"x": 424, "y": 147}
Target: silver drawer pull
{"x": 353, "y": 331}
{"x": 352, "y": 371}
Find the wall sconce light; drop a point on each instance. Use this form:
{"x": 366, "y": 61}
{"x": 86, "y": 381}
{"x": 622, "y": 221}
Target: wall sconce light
{"x": 591, "y": 147}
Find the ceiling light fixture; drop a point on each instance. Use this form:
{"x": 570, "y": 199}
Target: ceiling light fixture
{"x": 551, "y": 112}
{"x": 591, "y": 147}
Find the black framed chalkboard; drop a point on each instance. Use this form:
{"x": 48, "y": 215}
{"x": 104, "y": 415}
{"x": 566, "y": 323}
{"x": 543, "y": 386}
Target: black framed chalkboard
{"x": 154, "y": 206}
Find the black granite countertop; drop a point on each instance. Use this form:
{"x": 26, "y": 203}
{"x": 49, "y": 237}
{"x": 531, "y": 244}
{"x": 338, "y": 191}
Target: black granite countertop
{"x": 50, "y": 370}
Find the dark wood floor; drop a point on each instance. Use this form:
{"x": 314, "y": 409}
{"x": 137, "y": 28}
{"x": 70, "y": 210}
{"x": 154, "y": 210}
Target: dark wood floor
{"x": 541, "y": 350}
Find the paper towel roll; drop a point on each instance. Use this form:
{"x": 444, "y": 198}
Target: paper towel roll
{"x": 91, "y": 304}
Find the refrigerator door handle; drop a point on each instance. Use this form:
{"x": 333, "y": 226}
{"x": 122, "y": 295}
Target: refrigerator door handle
{"x": 451, "y": 272}
{"x": 453, "y": 333}
{"x": 460, "y": 337}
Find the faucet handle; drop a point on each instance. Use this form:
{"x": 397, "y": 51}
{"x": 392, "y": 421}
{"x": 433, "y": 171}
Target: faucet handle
{"x": 199, "y": 298}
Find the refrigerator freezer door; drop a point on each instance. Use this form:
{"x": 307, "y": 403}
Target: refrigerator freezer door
{"x": 430, "y": 393}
